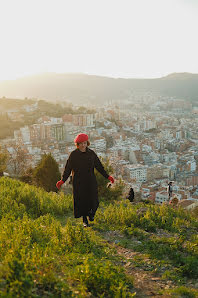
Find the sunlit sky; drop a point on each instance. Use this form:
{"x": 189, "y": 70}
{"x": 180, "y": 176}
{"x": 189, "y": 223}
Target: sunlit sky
{"x": 117, "y": 38}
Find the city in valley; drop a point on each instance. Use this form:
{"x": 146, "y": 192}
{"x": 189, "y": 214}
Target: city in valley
{"x": 149, "y": 140}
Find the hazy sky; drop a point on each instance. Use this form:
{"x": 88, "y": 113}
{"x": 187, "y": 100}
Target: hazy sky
{"x": 119, "y": 38}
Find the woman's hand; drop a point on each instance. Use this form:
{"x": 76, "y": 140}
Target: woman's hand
{"x": 111, "y": 179}
{"x": 59, "y": 183}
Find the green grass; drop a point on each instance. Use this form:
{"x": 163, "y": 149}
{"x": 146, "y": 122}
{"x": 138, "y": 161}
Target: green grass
{"x": 45, "y": 252}
{"x": 41, "y": 255}
{"x": 165, "y": 234}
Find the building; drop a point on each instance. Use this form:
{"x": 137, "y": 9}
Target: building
{"x": 99, "y": 145}
{"x": 58, "y": 132}
{"x": 161, "y": 197}
{"x": 83, "y": 120}
{"x": 137, "y": 173}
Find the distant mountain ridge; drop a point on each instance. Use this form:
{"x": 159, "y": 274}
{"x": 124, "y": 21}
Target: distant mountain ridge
{"x": 79, "y": 87}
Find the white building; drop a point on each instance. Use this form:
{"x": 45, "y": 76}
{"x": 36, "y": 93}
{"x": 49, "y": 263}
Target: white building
{"x": 137, "y": 172}
{"x": 161, "y": 197}
{"x": 178, "y": 134}
{"x": 25, "y": 133}
{"x": 149, "y": 124}
{"x": 192, "y": 165}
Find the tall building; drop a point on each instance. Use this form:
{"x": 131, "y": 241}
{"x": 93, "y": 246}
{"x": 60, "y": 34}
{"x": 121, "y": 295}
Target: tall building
{"x": 137, "y": 172}
{"x": 83, "y": 120}
{"x": 58, "y": 132}
{"x": 25, "y": 133}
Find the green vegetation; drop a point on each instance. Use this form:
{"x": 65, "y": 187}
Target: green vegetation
{"x": 44, "y": 108}
{"x": 45, "y": 252}
{"x": 8, "y": 126}
{"x": 110, "y": 193}
{"x": 167, "y": 235}
{"x": 39, "y": 257}
{"x": 47, "y": 173}
{"x": 18, "y": 198}
{"x": 183, "y": 292}
{"x": 3, "y": 160}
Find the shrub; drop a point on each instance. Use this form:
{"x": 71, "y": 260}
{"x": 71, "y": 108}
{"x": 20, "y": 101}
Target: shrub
{"x": 17, "y": 198}
{"x": 19, "y": 282}
{"x": 108, "y": 193}
{"x": 184, "y": 292}
{"x": 103, "y": 279}
{"x": 47, "y": 173}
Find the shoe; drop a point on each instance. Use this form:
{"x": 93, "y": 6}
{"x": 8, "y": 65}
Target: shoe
{"x": 85, "y": 225}
{"x": 85, "y": 222}
{"x": 91, "y": 217}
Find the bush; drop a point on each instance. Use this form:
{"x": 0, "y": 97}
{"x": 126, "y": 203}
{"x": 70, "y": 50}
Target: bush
{"x": 47, "y": 173}
{"x": 19, "y": 282}
{"x": 41, "y": 250}
{"x": 108, "y": 193}
{"x": 103, "y": 279}
{"x": 184, "y": 292}
{"x": 17, "y": 198}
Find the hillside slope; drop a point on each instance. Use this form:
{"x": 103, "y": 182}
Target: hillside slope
{"x": 130, "y": 250}
{"x": 82, "y": 87}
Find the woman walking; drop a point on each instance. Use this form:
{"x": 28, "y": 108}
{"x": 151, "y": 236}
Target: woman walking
{"x": 130, "y": 196}
{"x": 81, "y": 163}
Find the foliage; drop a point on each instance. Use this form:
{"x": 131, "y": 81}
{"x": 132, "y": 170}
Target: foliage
{"x": 28, "y": 118}
{"x": 108, "y": 193}
{"x": 27, "y": 176}
{"x": 195, "y": 212}
{"x": 8, "y": 126}
{"x": 143, "y": 222}
{"x": 184, "y": 292}
{"x": 18, "y": 160}
{"x": 47, "y": 173}
{"x": 41, "y": 258}
{"x": 18, "y": 198}
{"x": 3, "y": 160}
{"x": 19, "y": 283}
{"x": 148, "y": 217}
{"x": 103, "y": 279}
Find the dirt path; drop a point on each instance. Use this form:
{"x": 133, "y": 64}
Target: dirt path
{"x": 146, "y": 284}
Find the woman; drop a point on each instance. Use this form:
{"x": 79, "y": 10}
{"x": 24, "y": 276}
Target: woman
{"x": 130, "y": 196}
{"x": 81, "y": 163}
{"x": 170, "y": 190}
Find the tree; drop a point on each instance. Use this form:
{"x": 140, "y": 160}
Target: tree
{"x": 108, "y": 193}
{"x": 47, "y": 173}
{"x": 3, "y": 161}
{"x": 27, "y": 176}
{"x": 18, "y": 160}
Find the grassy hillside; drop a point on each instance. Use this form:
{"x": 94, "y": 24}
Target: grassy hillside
{"x": 130, "y": 250}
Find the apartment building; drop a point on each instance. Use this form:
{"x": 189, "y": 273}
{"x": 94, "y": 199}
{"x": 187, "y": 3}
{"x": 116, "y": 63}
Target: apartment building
{"x": 83, "y": 120}
{"x": 137, "y": 172}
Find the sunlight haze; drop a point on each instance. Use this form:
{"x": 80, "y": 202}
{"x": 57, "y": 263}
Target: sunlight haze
{"x": 117, "y": 38}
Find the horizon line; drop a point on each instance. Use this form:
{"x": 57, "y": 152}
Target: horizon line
{"x": 91, "y": 74}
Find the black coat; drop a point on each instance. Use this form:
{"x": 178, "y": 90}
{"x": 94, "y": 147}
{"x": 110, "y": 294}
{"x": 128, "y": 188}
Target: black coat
{"x": 85, "y": 189}
{"x": 130, "y": 196}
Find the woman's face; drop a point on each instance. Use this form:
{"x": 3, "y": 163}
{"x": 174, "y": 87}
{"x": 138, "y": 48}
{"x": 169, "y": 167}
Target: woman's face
{"x": 82, "y": 146}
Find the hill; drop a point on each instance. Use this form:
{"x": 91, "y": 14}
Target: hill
{"x": 130, "y": 250}
{"x": 79, "y": 88}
